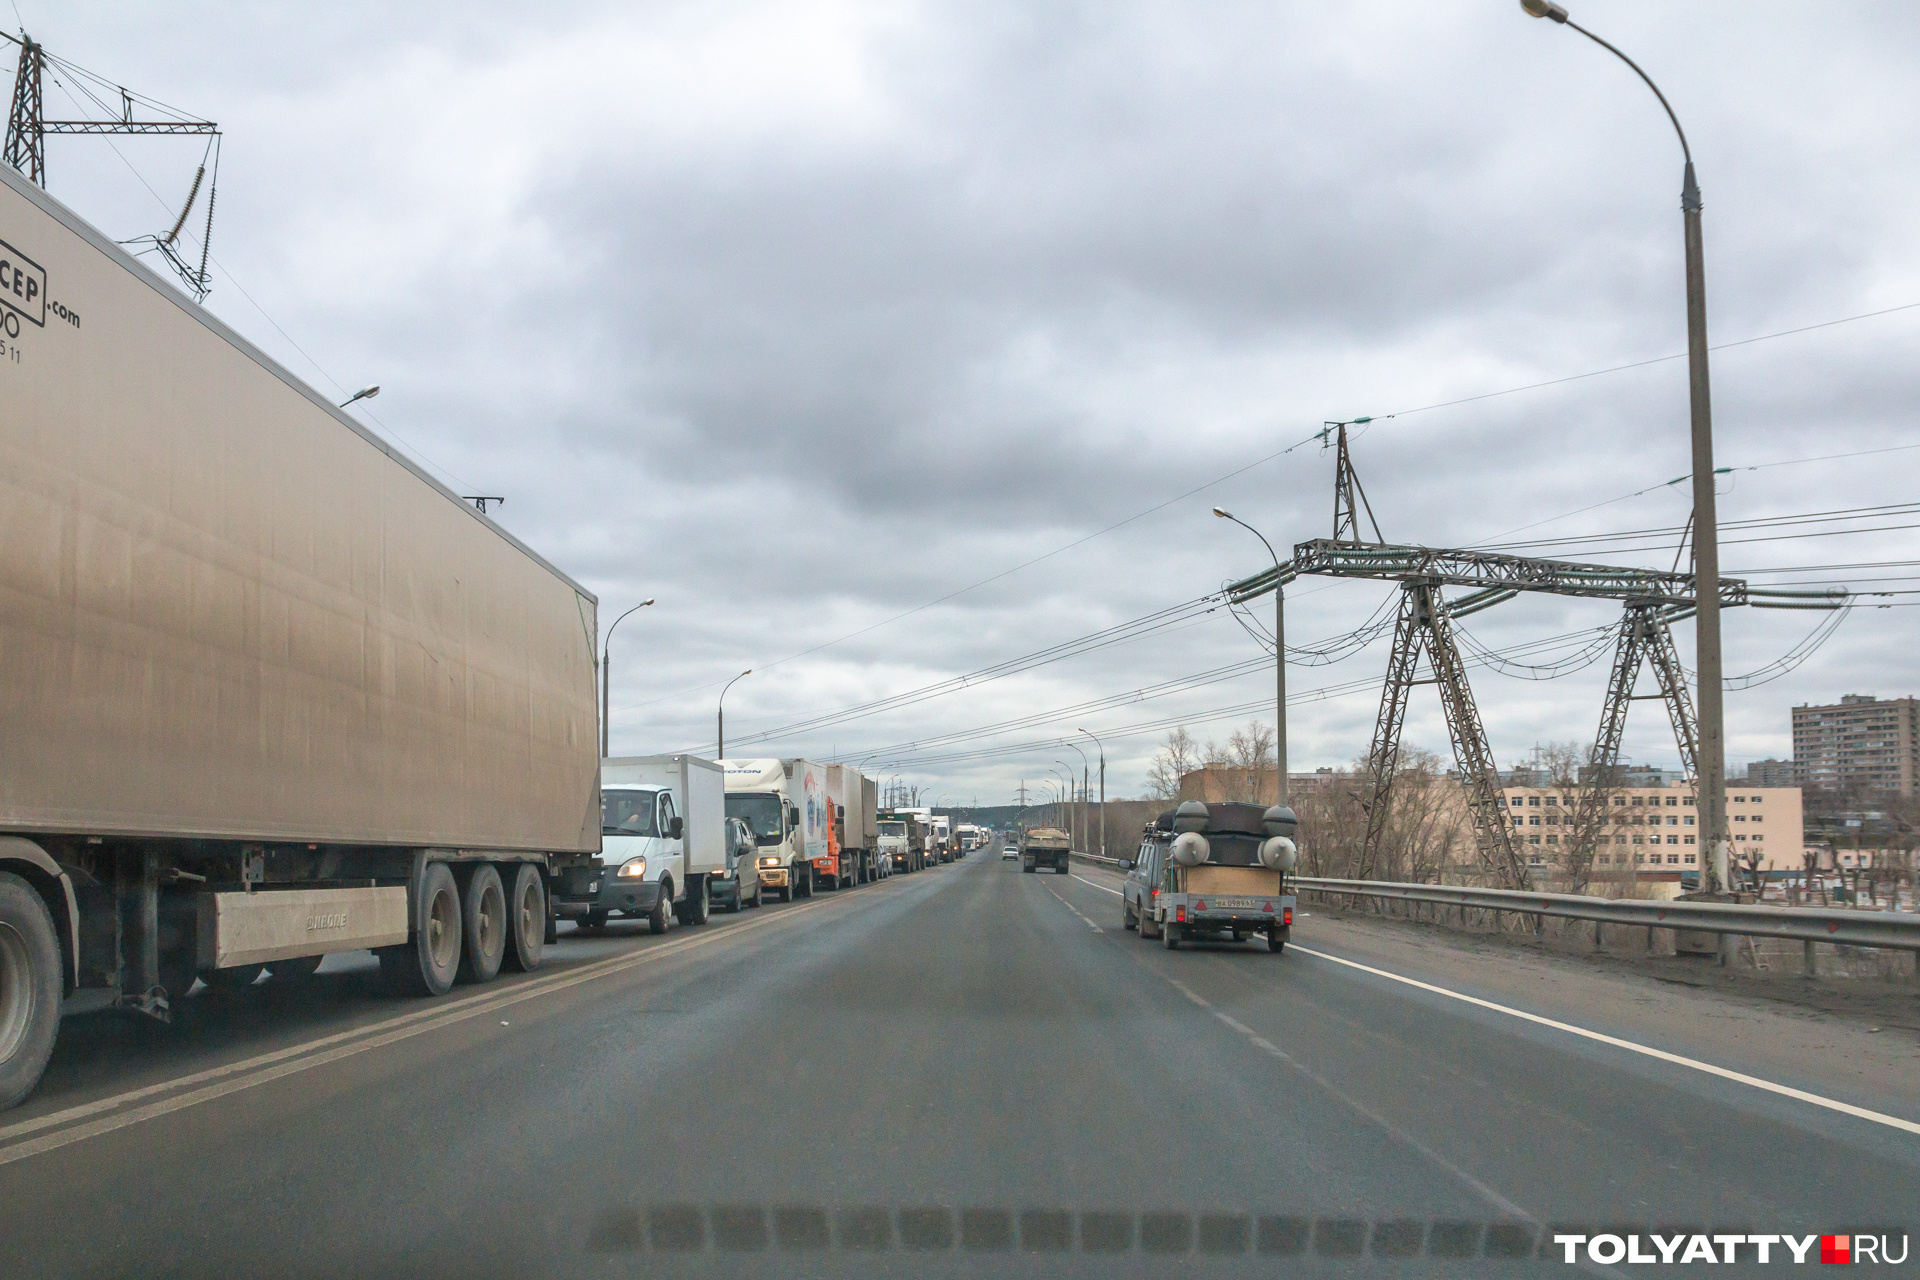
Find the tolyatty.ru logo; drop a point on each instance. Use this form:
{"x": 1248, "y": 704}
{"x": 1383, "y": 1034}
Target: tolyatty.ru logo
{"x": 1610, "y": 1249}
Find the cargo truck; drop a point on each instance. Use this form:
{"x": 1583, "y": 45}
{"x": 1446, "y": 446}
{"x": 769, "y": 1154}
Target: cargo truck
{"x": 269, "y": 691}
{"x": 1045, "y": 847}
{"x": 785, "y": 802}
{"x": 854, "y": 799}
{"x": 663, "y": 830}
{"x": 902, "y": 846}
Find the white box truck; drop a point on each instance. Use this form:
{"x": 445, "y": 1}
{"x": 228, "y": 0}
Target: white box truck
{"x": 269, "y": 691}
{"x": 785, "y": 802}
{"x": 663, "y": 832}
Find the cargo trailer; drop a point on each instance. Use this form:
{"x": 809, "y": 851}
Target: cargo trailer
{"x": 268, "y": 691}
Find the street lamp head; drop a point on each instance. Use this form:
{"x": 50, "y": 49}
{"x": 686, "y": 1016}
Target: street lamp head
{"x": 364, "y": 393}
{"x": 646, "y": 602}
{"x": 1544, "y": 9}
{"x": 1223, "y": 515}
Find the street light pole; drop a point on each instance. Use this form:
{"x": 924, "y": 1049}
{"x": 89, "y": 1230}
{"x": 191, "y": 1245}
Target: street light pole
{"x": 720, "y": 729}
{"x": 1086, "y": 768}
{"x": 1279, "y": 660}
{"x": 606, "y": 680}
{"x": 1712, "y": 749}
{"x": 1103, "y": 791}
{"x": 1066, "y": 797}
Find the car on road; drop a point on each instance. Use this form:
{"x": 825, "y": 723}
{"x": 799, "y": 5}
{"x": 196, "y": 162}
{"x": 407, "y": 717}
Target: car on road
{"x": 724, "y": 888}
{"x": 1008, "y": 849}
{"x": 1212, "y": 873}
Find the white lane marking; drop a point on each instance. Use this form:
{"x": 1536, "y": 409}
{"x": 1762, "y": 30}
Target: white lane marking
{"x": 1069, "y": 906}
{"x": 1102, "y": 888}
{"x": 268, "y": 1067}
{"x": 1786, "y": 1091}
{"x": 1492, "y": 1197}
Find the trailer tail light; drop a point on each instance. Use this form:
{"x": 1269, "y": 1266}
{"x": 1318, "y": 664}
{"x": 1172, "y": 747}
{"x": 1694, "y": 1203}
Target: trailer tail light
{"x": 1289, "y": 916}
{"x": 1180, "y": 914}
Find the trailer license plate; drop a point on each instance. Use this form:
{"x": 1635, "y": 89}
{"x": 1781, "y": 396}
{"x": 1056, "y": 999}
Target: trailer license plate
{"x": 1234, "y": 903}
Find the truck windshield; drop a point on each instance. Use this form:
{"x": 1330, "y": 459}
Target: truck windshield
{"x": 893, "y": 828}
{"x": 761, "y": 811}
{"x": 628, "y": 813}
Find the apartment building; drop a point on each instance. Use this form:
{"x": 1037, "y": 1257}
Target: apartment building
{"x": 1654, "y": 830}
{"x": 1772, "y": 773}
{"x": 1860, "y": 740}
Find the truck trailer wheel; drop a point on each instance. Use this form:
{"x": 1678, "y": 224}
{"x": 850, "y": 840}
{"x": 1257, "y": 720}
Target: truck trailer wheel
{"x": 428, "y": 965}
{"x": 1276, "y": 941}
{"x": 30, "y": 987}
{"x": 1170, "y": 936}
{"x": 483, "y": 917}
{"x": 526, "y": 920}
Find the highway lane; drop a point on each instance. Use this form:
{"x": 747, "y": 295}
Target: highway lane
{"x": 961, "y": 1071}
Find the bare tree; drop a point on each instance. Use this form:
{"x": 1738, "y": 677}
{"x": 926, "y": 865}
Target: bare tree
{"x": 1579, "y": 811}
{"x": 1180, "y": 756}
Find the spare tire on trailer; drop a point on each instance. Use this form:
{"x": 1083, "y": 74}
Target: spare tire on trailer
{"x": 30, "y": 988}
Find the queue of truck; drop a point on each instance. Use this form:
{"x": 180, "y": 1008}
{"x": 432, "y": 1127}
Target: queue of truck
{"x": 273, "y": 692}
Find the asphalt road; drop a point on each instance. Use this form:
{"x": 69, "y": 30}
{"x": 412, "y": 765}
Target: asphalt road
{"x": 964, "y": 1071}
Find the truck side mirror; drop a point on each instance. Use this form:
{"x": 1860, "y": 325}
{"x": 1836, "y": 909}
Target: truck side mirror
{"x": 793, "y": 815}
{"x": 676, "y": 828}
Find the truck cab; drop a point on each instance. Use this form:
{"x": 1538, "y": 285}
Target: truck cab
{"x": 895, "y": 842}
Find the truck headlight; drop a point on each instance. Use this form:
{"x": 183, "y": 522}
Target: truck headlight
{"x": 632, "y": 869}
{"x": 769, "y": 862}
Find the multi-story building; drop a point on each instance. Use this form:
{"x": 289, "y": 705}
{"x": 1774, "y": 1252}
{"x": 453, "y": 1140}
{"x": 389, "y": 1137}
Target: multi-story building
{"x": 1654, "y": 830}
{"x": 1772, "y": 773}
{"x": 1861, "y": 741}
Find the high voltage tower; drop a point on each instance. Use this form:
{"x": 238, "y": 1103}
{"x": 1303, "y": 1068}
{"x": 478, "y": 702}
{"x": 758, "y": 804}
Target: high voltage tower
{"x": 28, "y": 127}
{"x": 1651, "y": 601}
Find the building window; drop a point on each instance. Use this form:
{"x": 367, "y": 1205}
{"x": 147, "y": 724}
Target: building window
{"x": 1758, "y": 818}
{"x": 1639, "y": 839}
{"x": 1620, "y": 800}
{"x": 1689, "y": 819}
{"x": 1533, "y": 820}
{"x": 1689, "y": 859}
{"x": 1533, "y": 839}
{"x": 1689, "y": 840}
{"x": 1671, "y": 802}
{"x": 1739, "y": 799}
{"x": 1673, "y": 822}
{"x": 1553, "y": 839}
{"x": 1686, "y": 799}
{"x": 1553, "y": 800}
{"x": 1739, "y": 817}
{"x": 1758, "y": 838}
{"x": 1534, "y": 801}
{"x": 1673, "y": 859}
{"x": 1673, "y": 839}
{"x": 1620, "y": 840}
{"x": 1637, "y": 802}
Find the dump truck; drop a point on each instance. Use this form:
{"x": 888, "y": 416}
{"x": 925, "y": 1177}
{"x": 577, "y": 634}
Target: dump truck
{"x": 1213, "y": 872}
{"x": 270, "y": 691}
{"x": 900, "y": 840}
{"x": 1045, "y": 847}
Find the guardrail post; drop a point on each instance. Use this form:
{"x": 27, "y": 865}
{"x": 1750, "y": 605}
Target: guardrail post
{"x": 1809, "y": 965}
{"x": 1598, "y": 944}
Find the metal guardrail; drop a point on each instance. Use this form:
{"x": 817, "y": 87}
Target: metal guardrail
{"x": 1896, "y": 930}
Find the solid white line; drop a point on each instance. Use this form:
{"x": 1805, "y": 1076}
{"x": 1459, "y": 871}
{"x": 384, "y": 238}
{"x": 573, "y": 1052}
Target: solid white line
{"x": 1786, "y": 1091}
{"x": 1102, "y": 888}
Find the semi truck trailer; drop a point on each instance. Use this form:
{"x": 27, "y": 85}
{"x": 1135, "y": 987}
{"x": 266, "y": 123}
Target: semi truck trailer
{"x": 854, "y": 799}
{"x": 268, "y": 691}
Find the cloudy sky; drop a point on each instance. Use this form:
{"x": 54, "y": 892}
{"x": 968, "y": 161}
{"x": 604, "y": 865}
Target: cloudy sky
{"x": 888, "y": 343}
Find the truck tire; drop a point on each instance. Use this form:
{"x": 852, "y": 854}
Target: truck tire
{"x": 1062, "y": 870}
{"x": 428, "y": 964}
{"x": 698, "y": 908}
{"x": 806, "y": 882}
{"x": 1170, "y": 936}
{"x": 526, "y": 920}
{"x": 657, "y": 919}
{"x": 591, "y": 920}
{"x": 297, "y": 969}
{"x": 483, "y": 918}
{"x": 30, "y": 988}
{"x": 1026, "y": 868}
